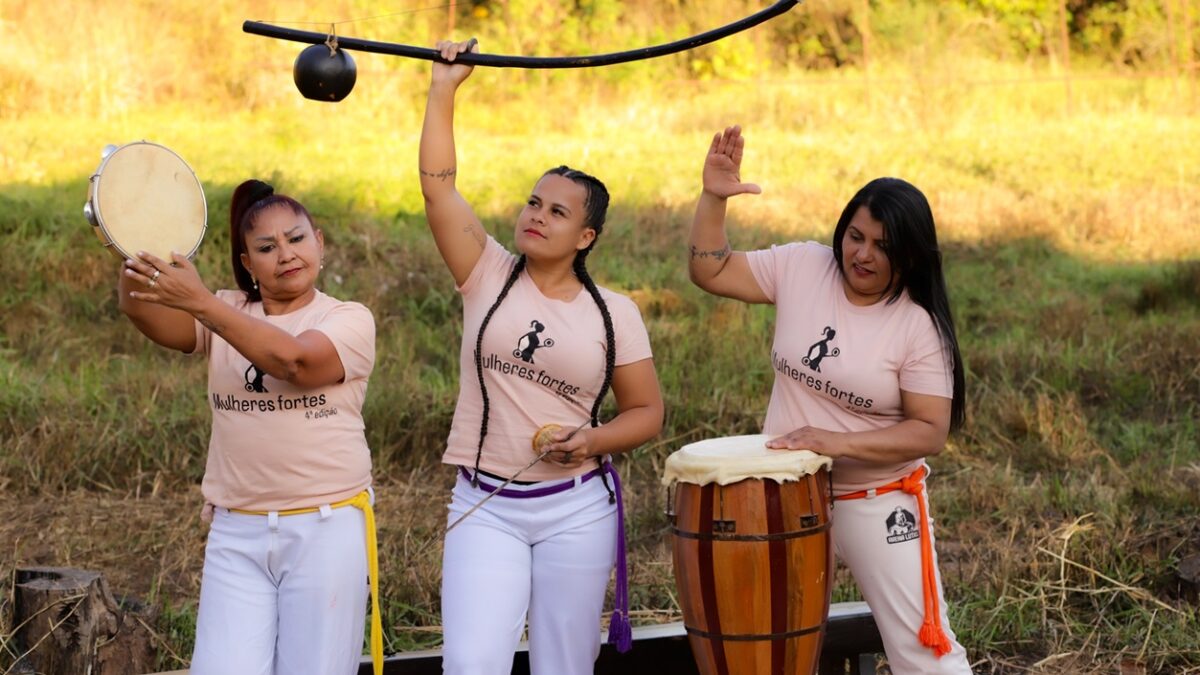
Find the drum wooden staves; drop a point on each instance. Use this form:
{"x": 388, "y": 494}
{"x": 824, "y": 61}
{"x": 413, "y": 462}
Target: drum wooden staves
{"x": 753, "y": 554}
{"x": 144, "y": 197}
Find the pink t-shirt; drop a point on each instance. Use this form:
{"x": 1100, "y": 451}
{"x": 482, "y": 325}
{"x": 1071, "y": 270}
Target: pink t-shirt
{"x": 543, "y": 361}
{"x": 839, "y": 366}
{"x": 275, "y": 446}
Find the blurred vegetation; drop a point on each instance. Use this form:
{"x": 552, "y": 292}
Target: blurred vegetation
{"x": 102, "y": 57}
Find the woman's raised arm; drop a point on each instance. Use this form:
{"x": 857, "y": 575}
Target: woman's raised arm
{"x": 459, "y": 235}
{"x": 712, "y": 264}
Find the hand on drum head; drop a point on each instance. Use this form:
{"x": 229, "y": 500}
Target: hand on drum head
{"x": 820, "y": 441}
{"x": 174, "y": 284}
{"x": 568, "y": 448}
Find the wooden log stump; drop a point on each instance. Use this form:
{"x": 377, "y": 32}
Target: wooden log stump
{"x": 68, "y": 623}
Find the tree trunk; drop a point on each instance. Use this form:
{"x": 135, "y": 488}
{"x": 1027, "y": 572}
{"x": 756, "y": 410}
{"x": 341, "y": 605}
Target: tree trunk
{"x": 67, "y": 623}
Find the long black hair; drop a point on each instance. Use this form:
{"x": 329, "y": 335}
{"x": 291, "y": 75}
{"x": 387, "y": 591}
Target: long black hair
{"x": 914, "y": 255}
{"x": 250, "y": 199}
{"x": 595, "y": 213}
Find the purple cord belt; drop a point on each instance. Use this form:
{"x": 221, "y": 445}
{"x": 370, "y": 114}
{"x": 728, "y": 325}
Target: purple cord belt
{"x": 620, "y": 634}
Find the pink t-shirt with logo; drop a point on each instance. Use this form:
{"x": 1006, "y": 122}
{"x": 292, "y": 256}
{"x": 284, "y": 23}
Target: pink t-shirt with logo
{"x": 543, "y": 362}
{"x": 839, "y": 366}
{"x": 275, "y": 446}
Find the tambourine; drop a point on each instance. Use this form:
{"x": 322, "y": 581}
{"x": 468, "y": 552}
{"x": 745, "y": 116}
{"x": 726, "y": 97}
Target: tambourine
{"x": 144, "y": 197}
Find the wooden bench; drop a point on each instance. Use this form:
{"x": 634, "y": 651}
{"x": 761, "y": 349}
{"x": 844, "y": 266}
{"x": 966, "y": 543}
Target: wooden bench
{"x": 851, "y": 643}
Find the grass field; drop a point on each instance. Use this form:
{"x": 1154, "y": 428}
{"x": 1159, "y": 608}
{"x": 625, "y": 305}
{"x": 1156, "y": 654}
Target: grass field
{"x": 1065, "y": 506}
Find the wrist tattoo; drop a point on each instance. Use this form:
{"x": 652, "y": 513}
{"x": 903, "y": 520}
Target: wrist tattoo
{"x": 717, "y": 254}
{"x": 440, "y": 175}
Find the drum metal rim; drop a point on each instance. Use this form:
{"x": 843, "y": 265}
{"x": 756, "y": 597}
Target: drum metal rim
{"x": 99, "y": 216}
{"x": 776, "y": 536}
{"x": 754, "y": 637}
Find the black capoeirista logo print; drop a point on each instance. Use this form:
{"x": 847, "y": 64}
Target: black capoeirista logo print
{"x": 532, "y": 341}
{"x": 255, "y": 383}
{"x": 820, "y": 350}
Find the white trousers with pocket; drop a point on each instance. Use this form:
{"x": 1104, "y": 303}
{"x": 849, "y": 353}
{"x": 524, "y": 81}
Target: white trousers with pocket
{"x": 546, "y": 557}
{"x": 282, "y": 595}
{"x": 878, "y": 539}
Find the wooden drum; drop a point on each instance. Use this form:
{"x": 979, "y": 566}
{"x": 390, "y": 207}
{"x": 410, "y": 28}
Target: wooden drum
{"x": 753, "y": 554}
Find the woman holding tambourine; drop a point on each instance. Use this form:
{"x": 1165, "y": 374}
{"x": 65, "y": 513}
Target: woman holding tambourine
{"x": 287, "y": 481}
{"x": 868, "y": 372}
{"x": 542, "y": 344}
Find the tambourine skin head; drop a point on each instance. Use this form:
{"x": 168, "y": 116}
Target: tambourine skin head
{"x": 144, "y": 197}
{"x": 322, "y": 76}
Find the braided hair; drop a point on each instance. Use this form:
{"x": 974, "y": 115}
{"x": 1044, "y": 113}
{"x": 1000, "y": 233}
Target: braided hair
{"x": 596, "y": 210}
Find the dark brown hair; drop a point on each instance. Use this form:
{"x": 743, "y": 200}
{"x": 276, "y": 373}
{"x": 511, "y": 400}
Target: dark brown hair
{"x": 249, "y": 200}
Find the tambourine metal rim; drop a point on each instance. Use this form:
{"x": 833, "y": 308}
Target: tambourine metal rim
{"x": 91, "y": 209}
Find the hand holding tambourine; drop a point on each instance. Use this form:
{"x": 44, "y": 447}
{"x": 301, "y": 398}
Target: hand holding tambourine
{"x": 175, "y": 284}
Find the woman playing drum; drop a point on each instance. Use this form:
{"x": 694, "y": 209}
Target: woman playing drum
{"x": 868, "y": 372}
{"x": 285, "y": 568}
{"x": 542, "y": 343}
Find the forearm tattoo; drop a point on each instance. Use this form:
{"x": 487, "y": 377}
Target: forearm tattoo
{"x": 208, "y": 323}
{"x": 440, "y": 175}
{"x": 718, "y": 254}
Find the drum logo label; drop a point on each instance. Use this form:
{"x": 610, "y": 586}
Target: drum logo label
{"x": 532, "y": 341}
{"x": 901, "y": 526}
{"x": 820, "y": 350}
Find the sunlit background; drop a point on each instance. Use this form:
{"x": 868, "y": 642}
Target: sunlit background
{"x": 1058, "y": 141}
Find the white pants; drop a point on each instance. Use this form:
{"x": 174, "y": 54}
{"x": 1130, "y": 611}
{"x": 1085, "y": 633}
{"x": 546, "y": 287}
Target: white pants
{"x": 282, "y": 595}
{"x": 550, "y": 557}
{"x": 875, "y": 538}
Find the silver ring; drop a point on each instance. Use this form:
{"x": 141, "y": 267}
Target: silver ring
{"x": 154, "y": 277}
{"x": 152, "y": 283}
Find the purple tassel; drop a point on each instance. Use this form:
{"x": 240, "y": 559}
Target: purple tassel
{"x": 620, "y": 634}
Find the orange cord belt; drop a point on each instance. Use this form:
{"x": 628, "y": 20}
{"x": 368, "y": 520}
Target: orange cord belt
{"x": 931, "y": 634}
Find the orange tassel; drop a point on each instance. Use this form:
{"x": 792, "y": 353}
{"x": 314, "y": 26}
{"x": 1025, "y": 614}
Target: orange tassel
{"x": 931, "y": 634}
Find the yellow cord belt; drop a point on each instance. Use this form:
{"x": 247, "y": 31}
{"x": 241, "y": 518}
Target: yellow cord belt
{"x": 361, "y": 501}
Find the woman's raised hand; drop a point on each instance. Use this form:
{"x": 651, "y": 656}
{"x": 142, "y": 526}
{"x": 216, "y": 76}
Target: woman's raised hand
{"x": 453, "y": 73}
{"x": 722, "y": 167}
{"x": 174, "y": 284}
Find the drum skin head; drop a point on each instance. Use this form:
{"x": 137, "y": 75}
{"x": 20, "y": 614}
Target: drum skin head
{"x": 735, "y": 458}
{"x": 147, "y": 199}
